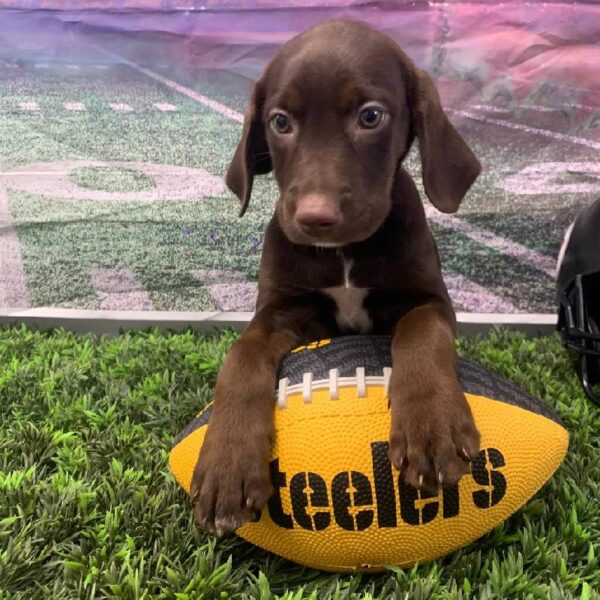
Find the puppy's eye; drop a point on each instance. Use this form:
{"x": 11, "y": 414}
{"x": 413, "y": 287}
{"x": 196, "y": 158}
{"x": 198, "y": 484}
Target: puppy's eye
{"x": 371, "y": 117}
{"x": 281, "y": 123}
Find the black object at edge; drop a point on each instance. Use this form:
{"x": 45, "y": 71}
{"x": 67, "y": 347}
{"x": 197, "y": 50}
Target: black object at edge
{"x": 572, "y": 326}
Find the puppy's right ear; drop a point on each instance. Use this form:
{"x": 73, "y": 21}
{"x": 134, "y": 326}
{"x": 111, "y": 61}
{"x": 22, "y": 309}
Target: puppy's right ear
{"x": 252, "y": 155}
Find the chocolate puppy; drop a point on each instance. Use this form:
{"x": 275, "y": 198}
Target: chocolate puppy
{"x": 347, "y": 250}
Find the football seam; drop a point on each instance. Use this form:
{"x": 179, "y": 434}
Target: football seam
{"x": 332, "y": 383}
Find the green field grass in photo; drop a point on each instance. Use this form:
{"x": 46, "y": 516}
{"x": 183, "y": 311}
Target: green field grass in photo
{"x": 88, "y": 508}
{"x": 112, "y": 179}
{"x": 161, "y": 243}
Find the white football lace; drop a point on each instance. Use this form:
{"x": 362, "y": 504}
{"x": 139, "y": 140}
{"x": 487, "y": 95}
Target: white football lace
{"x": 333, "y": 383}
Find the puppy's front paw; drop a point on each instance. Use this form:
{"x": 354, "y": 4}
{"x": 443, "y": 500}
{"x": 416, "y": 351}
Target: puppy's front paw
{"x": 433, "y": 438}
{"x": 231, "y": 483}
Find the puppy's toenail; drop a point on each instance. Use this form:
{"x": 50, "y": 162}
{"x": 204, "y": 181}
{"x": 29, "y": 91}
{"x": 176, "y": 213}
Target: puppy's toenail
{"x": 441, "y": 477}
{"x": 420, "y": 480}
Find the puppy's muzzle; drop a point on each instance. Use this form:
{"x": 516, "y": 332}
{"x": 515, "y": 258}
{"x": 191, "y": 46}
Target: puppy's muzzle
{"x": 317, "y": 215}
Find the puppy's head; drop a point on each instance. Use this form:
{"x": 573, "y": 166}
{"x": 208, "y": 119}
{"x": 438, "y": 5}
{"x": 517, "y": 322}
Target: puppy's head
{"x": 333, "y": 115}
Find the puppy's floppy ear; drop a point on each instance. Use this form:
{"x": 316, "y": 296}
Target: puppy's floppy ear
{"x": 448, "y": 164}
{"x": 251, "y": 156}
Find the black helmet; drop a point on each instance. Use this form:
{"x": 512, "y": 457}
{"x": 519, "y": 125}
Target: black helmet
{"x": 578, "y": 287}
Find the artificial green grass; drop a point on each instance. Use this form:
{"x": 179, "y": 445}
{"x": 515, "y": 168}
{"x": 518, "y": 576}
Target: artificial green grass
{"x": 88, "y": 508}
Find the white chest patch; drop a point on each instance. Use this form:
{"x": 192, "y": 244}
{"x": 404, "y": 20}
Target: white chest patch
{"x": 349, "y": 300}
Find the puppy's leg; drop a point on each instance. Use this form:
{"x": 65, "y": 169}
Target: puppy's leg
{"x": 231, "y": 481}
{"x": 433, "y": 436}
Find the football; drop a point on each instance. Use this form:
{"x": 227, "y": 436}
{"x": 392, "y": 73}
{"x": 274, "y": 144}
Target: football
{"x": 339, "y": 505}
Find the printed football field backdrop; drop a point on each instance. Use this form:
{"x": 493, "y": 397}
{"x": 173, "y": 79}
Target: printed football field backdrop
{"x": 112, "y": 193}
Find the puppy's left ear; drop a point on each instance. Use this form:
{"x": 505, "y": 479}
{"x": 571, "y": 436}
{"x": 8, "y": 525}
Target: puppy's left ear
{"x": 448, "y": 164}
{"x": 252, "y": 155}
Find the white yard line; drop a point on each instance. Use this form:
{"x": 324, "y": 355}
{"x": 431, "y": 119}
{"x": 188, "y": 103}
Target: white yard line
{"x": 534, "y": 107}
{"x": 490, "y": 108}
{"x": 29, "y": 106}
{"x": 120, "y": 107}
{"x": 542, "y": 262}
{"x": 13, "y": 283}
{"x": 165, "y": 106}
{"x": 75, "y": 106}
{"x": 216, "y": 106}
{"x": 573, "y": 139}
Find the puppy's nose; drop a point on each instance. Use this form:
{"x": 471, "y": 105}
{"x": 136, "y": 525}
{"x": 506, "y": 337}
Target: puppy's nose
{"x": 316, "y": 212}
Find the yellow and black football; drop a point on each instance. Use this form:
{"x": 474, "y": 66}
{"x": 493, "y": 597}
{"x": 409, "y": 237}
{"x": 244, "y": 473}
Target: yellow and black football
{"x": 339, "y": 505}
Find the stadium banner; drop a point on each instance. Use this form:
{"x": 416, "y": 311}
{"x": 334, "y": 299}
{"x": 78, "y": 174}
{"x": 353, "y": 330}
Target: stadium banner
{"x": 118, "y": 119}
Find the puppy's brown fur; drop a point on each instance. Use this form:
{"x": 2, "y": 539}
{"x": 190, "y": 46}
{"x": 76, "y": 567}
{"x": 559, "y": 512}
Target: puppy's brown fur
{"x": 348, "y": 249}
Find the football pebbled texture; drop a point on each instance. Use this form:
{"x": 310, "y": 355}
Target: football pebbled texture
{"x": 339, "y": 505}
